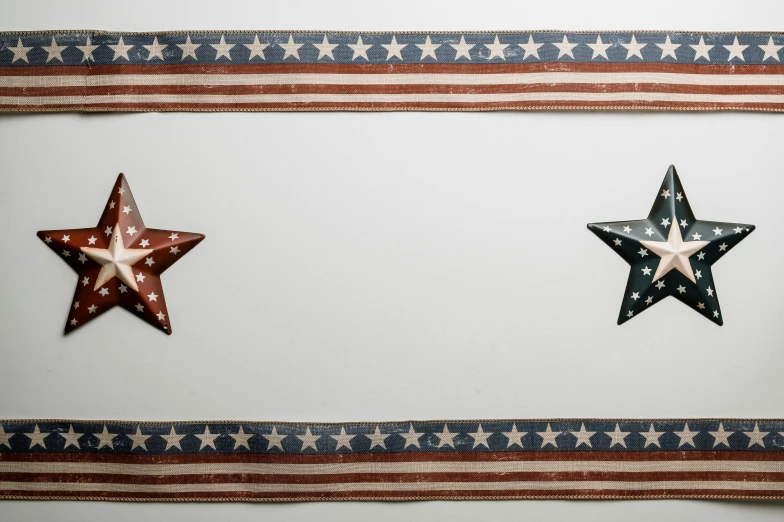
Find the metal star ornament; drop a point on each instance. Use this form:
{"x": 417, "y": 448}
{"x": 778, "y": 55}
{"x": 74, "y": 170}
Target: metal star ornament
{"x": 671, "y": 253}
{"x": 119, "y": 262}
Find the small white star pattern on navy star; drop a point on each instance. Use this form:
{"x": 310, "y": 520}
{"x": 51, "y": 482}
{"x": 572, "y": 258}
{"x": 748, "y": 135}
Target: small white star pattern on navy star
{"x": 683, "y": 249}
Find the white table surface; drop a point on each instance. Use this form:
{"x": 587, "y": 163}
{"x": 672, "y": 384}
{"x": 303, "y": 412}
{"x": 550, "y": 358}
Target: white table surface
{"x": 391, "y": 266}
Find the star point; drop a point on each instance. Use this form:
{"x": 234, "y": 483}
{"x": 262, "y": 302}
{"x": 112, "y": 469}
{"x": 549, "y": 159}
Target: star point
{"x": 701, "y": 50}
{"x": 756, "y": 436}
{"x": 54, "y": 51}
{"x": 36, "y": 437}
{"x": 652, "y": 437}
{"x": 496, "y": 49}
{"x": 411, "y": 436}
{"x": 394, "y": 49}
{"x": 480, "y": 437}
{"x": 633, "y": 48}
{"x": 5, "y": 437}
{"x": 71, "y": 438}
{"x": 599, "y": 48}
{"x": 668, "y": 48}
{"x": 188, "y": 51}
{"x": 445, "y": 438}
{"x": 617, "y": 436}
{"x": 565, "y": 48}
{"x": 138, "y": 439}
{"x": 155, "y": 50}
{"x": 720, "y": 436}
{"x": 583, "y": 435}
{"x": 325, "y": 49}
{"x": 222, "y": 49}
{"x": 462, "y": 49}
{"x": 531, "y": 48}
{"x": 771, "y": 50}
{"x": 106, "y": 439}
{"x": 736, "y": 50}
{"x": 360, "y": 49}
{"x": 256, "y": 48}
{"x": 274, "y": 440}
{"x": 515, "y": 438}
{"x": 207, "y": 438}
{"x": 120, "y": 51}
{"x": 241, "y": 439}
{"x": 20, "y": 51}
{"x": 173, "y": 439}
{"x": 428, "y": 49}
{"x": 549, "y": 436}
{"x": 343, "y": 439}
{"x": 308, "y": 440}
{"x": 377, "y": 438}
{"x": 686, "y": 436}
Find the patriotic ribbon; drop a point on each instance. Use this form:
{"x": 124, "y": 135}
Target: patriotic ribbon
{"x": 308, "y": 71}
{"x": 489, "y": 459}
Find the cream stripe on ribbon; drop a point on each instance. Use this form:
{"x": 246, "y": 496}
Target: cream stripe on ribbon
{"x": 99, "y": 80}
{"x": 673, "y": 466}
{"x": 558, "y": 485}
{"x": 389, "y": 98}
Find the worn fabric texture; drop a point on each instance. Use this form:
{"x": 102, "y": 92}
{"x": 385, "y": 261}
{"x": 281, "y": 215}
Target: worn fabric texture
{"x": 411, "y": 460}
{"x": 471, "y": 71}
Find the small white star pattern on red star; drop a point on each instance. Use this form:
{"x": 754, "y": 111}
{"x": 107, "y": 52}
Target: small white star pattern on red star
{"x": 142, "y": 272}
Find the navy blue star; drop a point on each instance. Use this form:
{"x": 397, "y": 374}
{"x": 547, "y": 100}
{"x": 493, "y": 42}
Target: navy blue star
{"x": 671, "y": 253}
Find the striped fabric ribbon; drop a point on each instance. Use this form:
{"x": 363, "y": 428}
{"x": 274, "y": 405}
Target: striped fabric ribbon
{"x": 492, "y": 459}
{"x": 472, "y": 71}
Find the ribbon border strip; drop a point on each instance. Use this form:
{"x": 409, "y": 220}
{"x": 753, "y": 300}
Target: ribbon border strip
{"x": 411, "y": 460}
{"x": 384, "y": 71}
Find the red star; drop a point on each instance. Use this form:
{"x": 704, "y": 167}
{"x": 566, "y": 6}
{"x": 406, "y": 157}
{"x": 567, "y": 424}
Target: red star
{"x": 119, "y": 262}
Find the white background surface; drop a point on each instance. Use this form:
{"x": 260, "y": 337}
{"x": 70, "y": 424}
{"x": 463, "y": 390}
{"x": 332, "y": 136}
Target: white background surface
{"x": 391, "y": 266}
